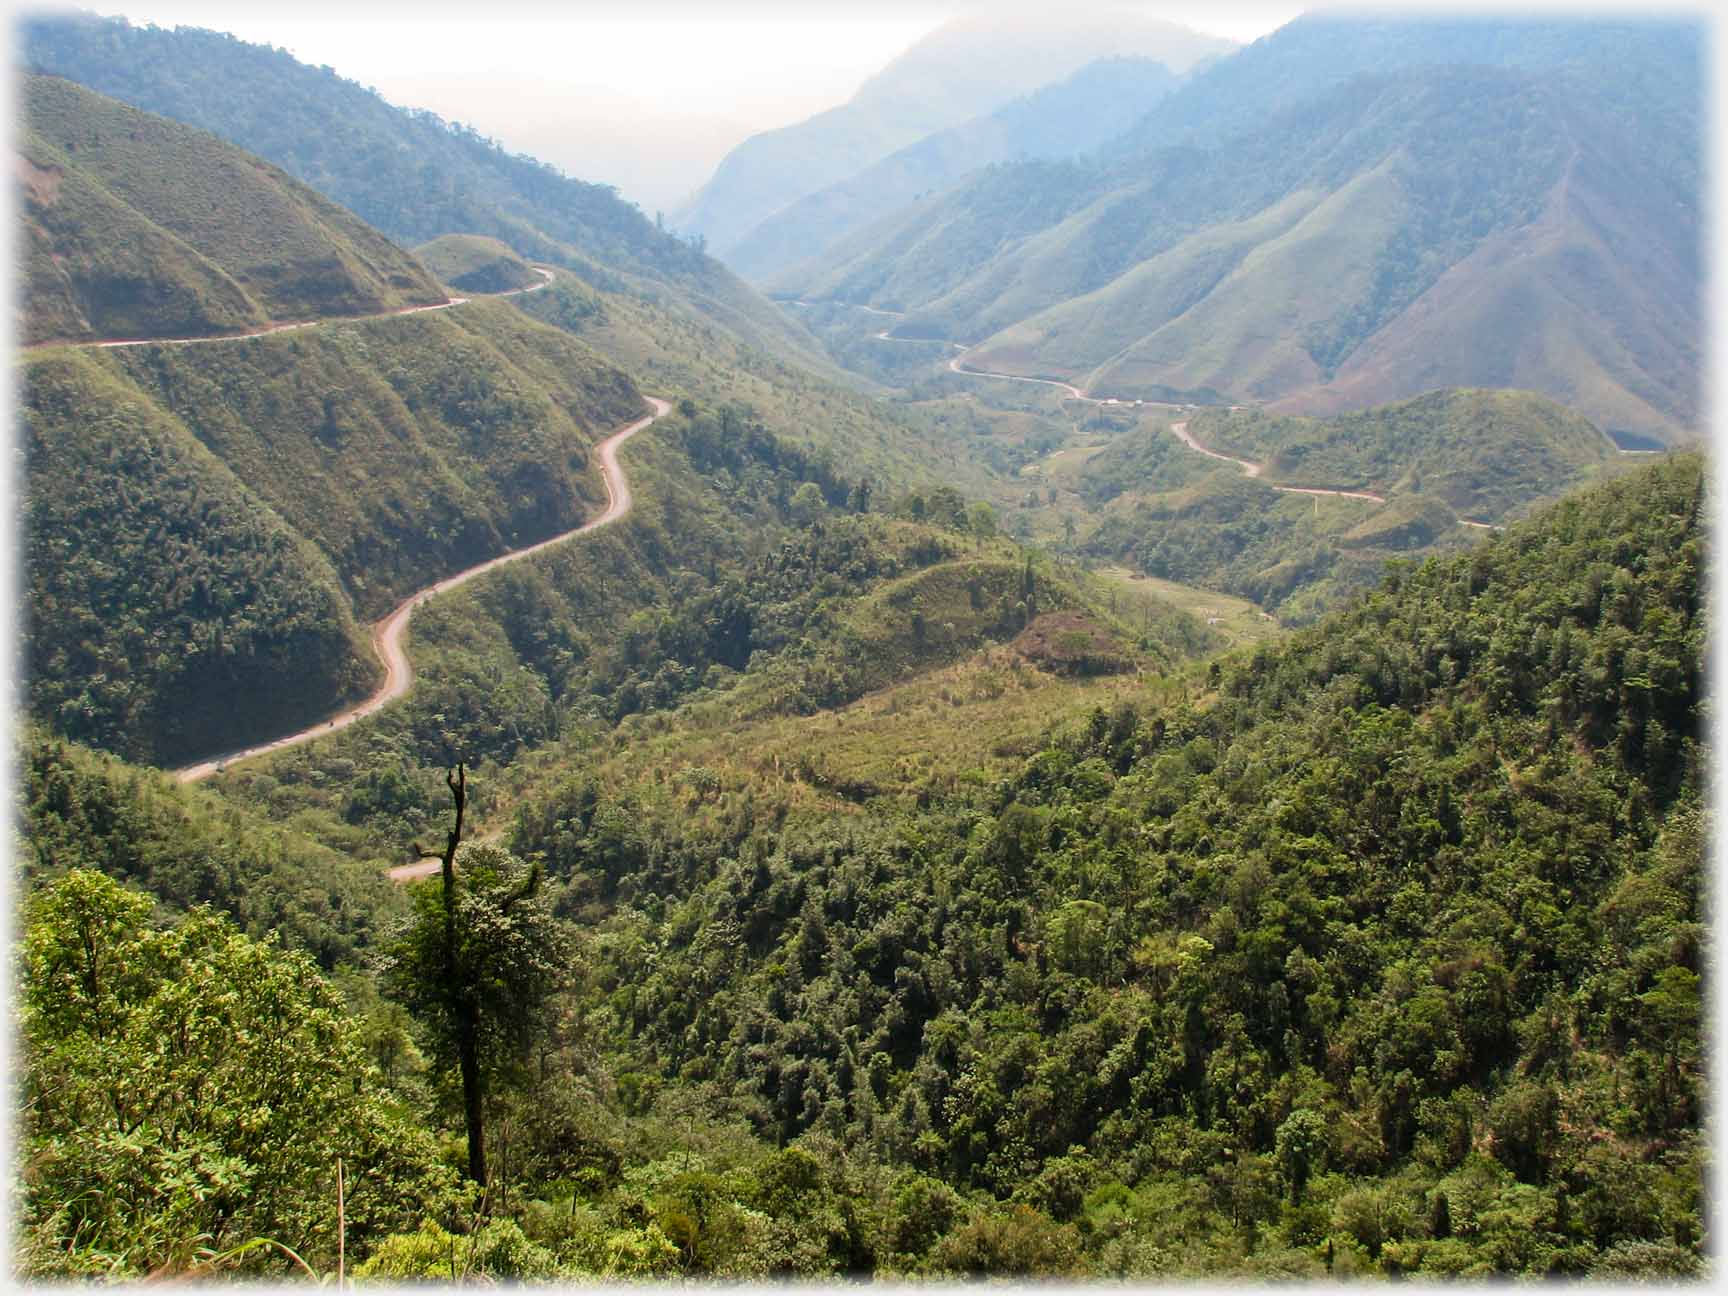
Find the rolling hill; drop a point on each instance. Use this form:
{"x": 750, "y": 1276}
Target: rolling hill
{"x": 474, "y": 263}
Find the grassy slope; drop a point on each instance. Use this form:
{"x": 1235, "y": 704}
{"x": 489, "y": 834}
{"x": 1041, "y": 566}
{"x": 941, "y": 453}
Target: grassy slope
{"x": 406, "y": 173}
{"x": 138, "y": 226}
{"x": 1538, "y": 243}
{"x": 475, "y": 263}
{"x": 1581, "y": 304}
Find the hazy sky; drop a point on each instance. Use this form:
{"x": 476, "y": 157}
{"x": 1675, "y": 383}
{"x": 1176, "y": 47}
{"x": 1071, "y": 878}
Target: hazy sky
{"x": 646, "y": 96}
{"x": 649, "y": 95}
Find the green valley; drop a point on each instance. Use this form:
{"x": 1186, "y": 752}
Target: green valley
{"x": 1142, "y": 721}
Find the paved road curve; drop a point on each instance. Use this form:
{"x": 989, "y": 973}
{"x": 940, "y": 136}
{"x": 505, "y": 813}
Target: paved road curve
{"x": 387, "y": 634}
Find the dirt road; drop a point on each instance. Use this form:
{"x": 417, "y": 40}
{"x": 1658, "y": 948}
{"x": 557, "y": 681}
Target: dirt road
{"x": 267, "y": 330}
{"x": 388, "y": 633}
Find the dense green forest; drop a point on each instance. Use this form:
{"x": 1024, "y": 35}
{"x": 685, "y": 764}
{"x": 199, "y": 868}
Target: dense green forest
{"x": 943, "y": 828}
{"x": 1374, "y": 951}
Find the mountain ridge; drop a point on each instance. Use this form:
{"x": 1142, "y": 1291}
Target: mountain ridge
{"x": 1150, "y": 273}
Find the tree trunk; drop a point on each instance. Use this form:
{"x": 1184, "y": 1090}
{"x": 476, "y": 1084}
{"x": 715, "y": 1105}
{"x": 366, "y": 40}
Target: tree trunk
{"x": 461, "y": 1002}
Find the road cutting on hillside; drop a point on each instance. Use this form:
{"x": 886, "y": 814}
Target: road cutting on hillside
{"x": 269, "y": 329}
{"x": 387, "y": 634}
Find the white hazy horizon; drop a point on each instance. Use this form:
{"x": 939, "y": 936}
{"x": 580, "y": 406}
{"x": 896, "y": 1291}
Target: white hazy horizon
{"x": 647, "y": 97}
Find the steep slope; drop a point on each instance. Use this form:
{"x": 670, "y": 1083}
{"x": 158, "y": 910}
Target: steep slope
{"x": 136, "y": 226}
{"x": 970, "y": 66}
{"x": 1064, "y": 120}
{"x": 207, "y": 521}
{"x": 1582, "y": 304}
{"x": 195, "y": 574}
{"x": 1534, "y": 224}
{"x": 408, "y": 174}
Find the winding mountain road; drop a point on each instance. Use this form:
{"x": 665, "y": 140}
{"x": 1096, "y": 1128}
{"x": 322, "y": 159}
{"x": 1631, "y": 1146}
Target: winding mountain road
{"x": 1178, "y": 429}
{"x": 388, "y": 633}
{"x": 268, "y": 329}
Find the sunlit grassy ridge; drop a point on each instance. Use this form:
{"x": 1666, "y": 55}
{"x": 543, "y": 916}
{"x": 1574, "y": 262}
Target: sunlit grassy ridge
{"x": 475, "y": 263}
{"x": 141, "y": 227}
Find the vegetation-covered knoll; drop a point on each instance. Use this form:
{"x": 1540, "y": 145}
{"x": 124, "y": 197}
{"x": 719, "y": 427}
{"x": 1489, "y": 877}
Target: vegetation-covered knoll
{"x": 205, "y": 524}
{"x": 408, "y": 174}
{"x": 1383, "y": 957}
{"x": 136, "y": 226}
{"x": 475, "y": 263}
{"x": 1382, "y": 234}
{"x": 1289, "y": 553}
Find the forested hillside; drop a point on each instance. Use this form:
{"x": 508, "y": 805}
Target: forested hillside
{"x": 243, "y": 503}
{"x": 1380, "y": 953}
{"x": 1385, "y": 955}
{"x": 944, "y": 824}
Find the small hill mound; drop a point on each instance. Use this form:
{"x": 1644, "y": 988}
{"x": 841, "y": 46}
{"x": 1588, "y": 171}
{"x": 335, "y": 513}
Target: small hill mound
{"x": 477, "y": 264}
{"x": 1071, "y": 643}
{"x": 136, "y": 226}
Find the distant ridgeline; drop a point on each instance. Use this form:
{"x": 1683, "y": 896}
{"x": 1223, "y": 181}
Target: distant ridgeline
{"x": 1347, "y": 212}
{"x": 408, "y": 174}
